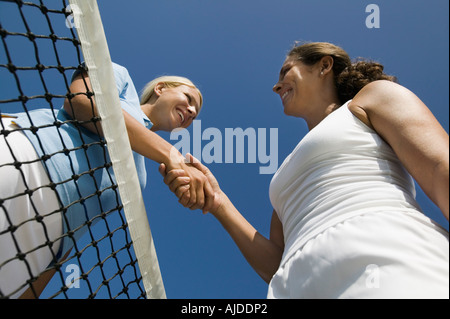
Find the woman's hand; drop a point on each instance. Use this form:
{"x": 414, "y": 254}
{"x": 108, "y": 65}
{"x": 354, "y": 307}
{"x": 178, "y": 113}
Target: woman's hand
{"x": 186, "y": 183}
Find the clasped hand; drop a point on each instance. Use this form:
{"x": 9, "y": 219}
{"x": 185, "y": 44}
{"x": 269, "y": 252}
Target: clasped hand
{"x": 194, "y": 185}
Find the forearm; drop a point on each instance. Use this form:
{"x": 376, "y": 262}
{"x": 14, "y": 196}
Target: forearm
{"x": 261, "y": 253}
{"x": 82, "y": 107}
{"x": 150, "y": 144}
{"x": 142, "y": 140}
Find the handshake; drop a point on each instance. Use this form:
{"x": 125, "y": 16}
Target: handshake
{"x": 194, "y": 185}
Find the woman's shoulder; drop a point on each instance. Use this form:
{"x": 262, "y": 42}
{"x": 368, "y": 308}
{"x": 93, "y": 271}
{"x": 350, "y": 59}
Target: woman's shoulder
{"x": 121, "y": 72}
{"x": 119, "y": 68}
{"x": 380, "y": 92}
{"x": 378, "y": 96}
{"x": 380, "y": 89}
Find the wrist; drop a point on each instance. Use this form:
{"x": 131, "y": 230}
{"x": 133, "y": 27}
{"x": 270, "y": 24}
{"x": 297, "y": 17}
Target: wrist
{"x": 174, "y": 160}
{"x": 223, "y": 205}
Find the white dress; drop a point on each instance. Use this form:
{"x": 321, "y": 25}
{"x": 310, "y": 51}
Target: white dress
{"x": 352, "y": 227}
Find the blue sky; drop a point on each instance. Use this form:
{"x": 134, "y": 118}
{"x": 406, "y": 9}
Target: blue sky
{"x": 233, "y": 51}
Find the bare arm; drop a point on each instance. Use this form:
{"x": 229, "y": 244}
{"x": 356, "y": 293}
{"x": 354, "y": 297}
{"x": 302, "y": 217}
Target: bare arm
{"x": 412, "y": 131}
{"x": 263, "y": 254}
{"x": 142, "y": 140}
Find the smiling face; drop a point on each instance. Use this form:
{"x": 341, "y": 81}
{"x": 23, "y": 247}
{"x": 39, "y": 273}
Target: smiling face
{"x": 297, "y": 86}
{"x": 175, "y": 107}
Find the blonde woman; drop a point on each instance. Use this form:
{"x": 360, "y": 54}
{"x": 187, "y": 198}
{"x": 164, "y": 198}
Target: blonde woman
{"x": 72, "y": 154}
{"x": 345, "y": 222}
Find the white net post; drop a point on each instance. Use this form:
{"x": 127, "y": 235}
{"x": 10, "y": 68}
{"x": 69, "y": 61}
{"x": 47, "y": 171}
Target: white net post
{"x": 98, "y": 61}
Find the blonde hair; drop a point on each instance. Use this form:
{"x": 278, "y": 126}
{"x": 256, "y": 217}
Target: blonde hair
{"x": 169, "y": 81}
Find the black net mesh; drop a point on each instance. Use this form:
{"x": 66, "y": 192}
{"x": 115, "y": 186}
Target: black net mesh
{"x": 39, "y": 54}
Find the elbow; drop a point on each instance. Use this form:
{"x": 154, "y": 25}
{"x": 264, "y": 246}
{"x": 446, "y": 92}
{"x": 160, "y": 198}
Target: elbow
{"x": 267, "y": 278}
{"x": 267, "y": 275}
{"x": 271, "y": 266}
{"x": 67, "y": 106}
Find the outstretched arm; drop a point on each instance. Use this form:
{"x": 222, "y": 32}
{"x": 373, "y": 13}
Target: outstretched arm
{"x": 263, "y": 254}
{"x": 142, "y": 140}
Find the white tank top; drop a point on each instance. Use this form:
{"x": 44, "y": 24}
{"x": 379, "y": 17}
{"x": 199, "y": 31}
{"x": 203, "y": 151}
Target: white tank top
{"x": 340, "y": 169}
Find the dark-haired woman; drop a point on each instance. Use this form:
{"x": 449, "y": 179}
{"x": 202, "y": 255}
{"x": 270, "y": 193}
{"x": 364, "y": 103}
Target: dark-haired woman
{"x": 346, "y": 223}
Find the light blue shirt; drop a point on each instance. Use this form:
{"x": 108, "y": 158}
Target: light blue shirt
{"x": 76, "y": 160}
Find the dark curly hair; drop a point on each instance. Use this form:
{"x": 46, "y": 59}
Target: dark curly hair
{"x": 349, "y": 77}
